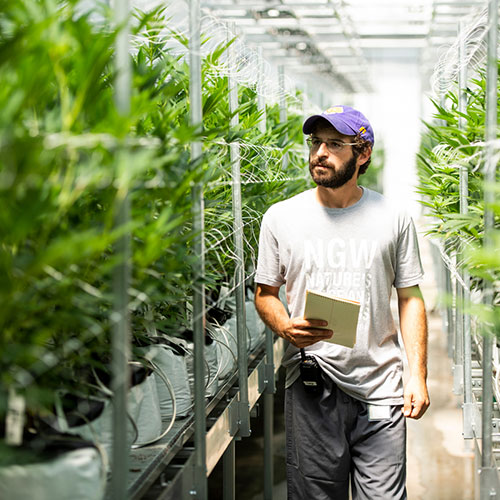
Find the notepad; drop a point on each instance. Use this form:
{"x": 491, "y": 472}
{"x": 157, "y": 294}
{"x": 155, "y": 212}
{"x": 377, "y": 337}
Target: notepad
{"x": 341, "y": 314}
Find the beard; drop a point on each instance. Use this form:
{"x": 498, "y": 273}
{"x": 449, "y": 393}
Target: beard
{"x": 333, "y": 178}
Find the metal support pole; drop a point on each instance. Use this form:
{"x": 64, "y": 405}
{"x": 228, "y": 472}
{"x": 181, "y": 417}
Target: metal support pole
{"x": 120, "y": 341}
{"x": 239, "y": 275}
{"x": 447, "y": 274}
{"x": 304, "y": 137}
{"x": 458, "y": 385}
{"x": 442, "y": 293}
{"x": 229, "y": 472}
{"x": 123, "y": 62}
{"x": 261, "y": 103}
{"x": 488, "y": 477}
{"x": 283, "y": 109}
{"x": 200, "y": 468}
{"x": 120, "y": 345}
{"x": 268, "y": 395}
{"x": 469, "y": 425}
{"x": 269, "y": 417}
{"x": 489, "y": 474}
{"x": 268, "y": 445}
{"x": 458, "y": 368}
{"x": 449, "y": 313}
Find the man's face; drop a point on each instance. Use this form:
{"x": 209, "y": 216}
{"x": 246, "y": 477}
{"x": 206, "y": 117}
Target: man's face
{"x": 331, "y": 170}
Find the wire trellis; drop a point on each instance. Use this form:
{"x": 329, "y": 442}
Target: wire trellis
{"x": 474, "y": 37}
{"x": 243, "y": 63}
{"x": 261, "y": 165}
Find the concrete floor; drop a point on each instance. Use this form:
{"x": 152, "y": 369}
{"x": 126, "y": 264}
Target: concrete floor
{"x": 440, "y": 465}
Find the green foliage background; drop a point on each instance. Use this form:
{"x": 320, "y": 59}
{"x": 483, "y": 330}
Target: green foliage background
{"x": 454, "y": 140}
{"x": 67, "y": 157}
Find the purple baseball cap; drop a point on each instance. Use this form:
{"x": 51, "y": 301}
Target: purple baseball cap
{"x": 344, "y": 119}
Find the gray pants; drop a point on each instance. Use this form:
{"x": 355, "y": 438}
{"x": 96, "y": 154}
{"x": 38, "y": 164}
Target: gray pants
{"x": 330, "y": 439}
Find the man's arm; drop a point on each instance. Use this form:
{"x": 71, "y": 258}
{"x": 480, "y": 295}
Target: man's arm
{"x": 300, "y": 332}
{"x": 413, "y": 325}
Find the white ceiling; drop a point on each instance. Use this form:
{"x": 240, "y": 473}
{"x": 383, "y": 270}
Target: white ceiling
{"x": 338, "y": 39}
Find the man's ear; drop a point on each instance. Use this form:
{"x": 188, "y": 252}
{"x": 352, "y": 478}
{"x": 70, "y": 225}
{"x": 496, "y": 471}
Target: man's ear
{"x": 364, "y": 156}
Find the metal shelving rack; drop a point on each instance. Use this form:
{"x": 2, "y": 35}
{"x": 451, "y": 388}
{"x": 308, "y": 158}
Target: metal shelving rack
{"x": 166, "y": 470}
{"x": 177, "y": 466}
{"x": 470, "y": 344}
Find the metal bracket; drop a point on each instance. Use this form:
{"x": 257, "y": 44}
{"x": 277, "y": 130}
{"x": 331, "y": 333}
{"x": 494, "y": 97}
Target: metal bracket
{"x": 488, "y": 477}
{"x": 234, "y": 419}
{"x": 469, "y": 420}
{"x": 269, "y": 365}
{"x": 458, "y": 379}
{"x": 193, "y": 482}
{"x": 267, "y": 382}
{"x": 495, "y": 424}
{"x": 477, "y": 383}
{"x": 478, "y": 424}
{"x": 236, "y": 409}
{"x": 244, "y": 419}
{"x": 262, "y": 378}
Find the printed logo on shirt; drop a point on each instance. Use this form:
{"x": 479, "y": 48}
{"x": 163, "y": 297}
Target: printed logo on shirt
{"x": 340, "y": 267}
{"x": 338, "y": 253}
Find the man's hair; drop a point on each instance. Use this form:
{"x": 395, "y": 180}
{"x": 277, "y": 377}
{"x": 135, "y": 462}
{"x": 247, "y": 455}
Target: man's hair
{"x": 361, "y": 146}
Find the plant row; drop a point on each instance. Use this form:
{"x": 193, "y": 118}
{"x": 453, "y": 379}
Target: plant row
{"x": 68, "y": 159}
{"x": 455, "y": 140}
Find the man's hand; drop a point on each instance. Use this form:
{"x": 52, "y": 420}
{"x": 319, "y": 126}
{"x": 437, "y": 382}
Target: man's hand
{"x": 416, "y": 398}
{"x": 413, "y": 321}
{"x": 298, "y": 331}
{"x": 303, "y": 332}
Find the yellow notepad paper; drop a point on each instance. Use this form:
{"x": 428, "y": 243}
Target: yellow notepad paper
{"x": 341, "y": 314}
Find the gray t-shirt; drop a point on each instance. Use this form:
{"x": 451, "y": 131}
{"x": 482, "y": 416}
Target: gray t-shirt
{"x": 358, "y": 253}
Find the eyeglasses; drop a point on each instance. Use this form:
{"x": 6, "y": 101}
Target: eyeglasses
{"x": 334, "y": 146}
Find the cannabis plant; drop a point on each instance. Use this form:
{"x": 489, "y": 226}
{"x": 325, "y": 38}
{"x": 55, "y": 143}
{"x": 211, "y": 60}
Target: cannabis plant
{"x": 453, "y": 141}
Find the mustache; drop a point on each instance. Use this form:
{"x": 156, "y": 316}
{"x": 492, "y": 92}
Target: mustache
{"x": 320, "y": 164}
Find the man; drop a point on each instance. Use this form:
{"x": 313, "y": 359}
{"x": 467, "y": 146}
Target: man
{"x": 348, "y": 241}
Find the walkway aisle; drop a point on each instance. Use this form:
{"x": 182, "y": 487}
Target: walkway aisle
{"x": 440, "y": 462}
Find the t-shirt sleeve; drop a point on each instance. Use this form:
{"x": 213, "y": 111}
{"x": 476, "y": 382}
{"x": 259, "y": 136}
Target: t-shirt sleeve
{"x": 268, "y": 262}
{"x": 409, "y": 271}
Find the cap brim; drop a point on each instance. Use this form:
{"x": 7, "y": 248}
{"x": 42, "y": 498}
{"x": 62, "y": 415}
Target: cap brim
{"x": 334, "y": 120}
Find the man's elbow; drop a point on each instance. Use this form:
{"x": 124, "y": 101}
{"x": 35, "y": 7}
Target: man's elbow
{"x": 408, "y": 293}
{"x": 263, "y": 292}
